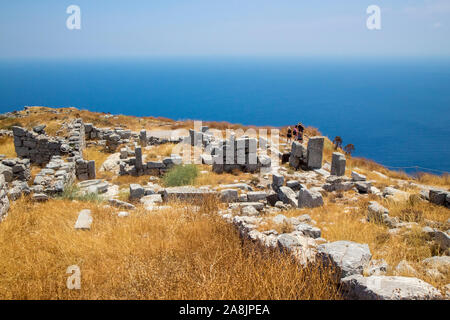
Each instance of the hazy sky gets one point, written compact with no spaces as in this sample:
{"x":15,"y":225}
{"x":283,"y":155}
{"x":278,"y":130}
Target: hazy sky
{"x":37,"y":28}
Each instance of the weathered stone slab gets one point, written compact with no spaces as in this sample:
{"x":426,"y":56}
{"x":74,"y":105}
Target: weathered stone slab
{"x":388,"y":288}
{"x":255,"y":196}
{"x":277,"y":181}
{"x":315,"y":152}
{"x":121,"y":204}
{"x":186,"y":193}
{"x":136,"y":191}
{"x":229,"y":195}
{"x":348,"y":257}
{"x":358,"y":176}
{"x":309,"y":199}
{"x":338,"y":164}
{"x":287,"y":195}
{"x":84,"y":220}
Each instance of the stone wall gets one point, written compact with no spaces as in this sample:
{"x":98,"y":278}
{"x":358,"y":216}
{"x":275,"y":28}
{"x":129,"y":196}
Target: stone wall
{"x":113,"y":137}
{"x":39,"y":148}
{"x":85,"y":169}
{"x":238,"y":154}
{"x":55,"y":177}
{"x":15,"y":169}
{"x":135,"y":166}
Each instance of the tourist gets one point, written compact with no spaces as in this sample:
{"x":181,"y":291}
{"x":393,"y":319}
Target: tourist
{"x":289,"y":134}
{"x":295,"y":132}
{"x":301,"y":129}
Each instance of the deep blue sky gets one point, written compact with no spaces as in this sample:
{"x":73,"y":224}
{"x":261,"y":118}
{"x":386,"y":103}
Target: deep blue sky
{"x":110,"y":28}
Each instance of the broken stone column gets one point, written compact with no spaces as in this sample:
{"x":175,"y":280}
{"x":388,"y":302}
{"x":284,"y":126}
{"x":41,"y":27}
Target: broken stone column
{"x":315,"y":152}
{"x":91,"y":169}
{"x":143,"y":138}
{"x":138,"y":154}
{"x":338,"y":164}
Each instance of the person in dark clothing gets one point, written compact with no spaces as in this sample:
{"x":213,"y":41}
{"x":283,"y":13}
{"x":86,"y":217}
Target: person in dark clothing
{"x":289,"y":134}
{"x":301,"y":130}
{"x":295,"y":132}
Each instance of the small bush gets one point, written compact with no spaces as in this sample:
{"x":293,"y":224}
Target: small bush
{"x":181,"y":175}
{"x":73,"y":193}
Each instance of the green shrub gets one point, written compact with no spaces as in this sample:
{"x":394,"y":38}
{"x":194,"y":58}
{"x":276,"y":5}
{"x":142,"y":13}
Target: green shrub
{"x":181,"y":175}
{"x":73,"y":193}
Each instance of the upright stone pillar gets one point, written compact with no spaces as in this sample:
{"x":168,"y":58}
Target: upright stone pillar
{"x":315,"y":152}
{"x":138,"y":153}
{"x":338,"y":164}
{"x":143,"y":138}
{"x":91,"y":169}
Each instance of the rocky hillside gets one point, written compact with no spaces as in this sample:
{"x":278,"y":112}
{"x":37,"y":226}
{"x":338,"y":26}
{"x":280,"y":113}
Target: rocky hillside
{"x":152,"y":208}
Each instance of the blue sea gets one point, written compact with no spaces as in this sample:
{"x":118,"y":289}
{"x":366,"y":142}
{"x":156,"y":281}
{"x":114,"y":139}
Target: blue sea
{"x":395,"y":111}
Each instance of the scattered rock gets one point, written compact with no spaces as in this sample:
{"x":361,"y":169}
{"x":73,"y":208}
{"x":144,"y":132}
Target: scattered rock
{"x":309,"y":199}
{"x":347,"y":256}
{"x":388,"y":288}
{"x":84,"y":220}
{"x":121,"y":204}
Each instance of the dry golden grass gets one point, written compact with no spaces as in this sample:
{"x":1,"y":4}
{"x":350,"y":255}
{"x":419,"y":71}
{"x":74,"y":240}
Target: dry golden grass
{"x":159,"y":151}
{"x":173,"y":254}
{"x":435,"y":180}
{"x":7,"y":147}
{"x":97,"y":154}
{"x":343,"y":222}
{"x":213,"y":179}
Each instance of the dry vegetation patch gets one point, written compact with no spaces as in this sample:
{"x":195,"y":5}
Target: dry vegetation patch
{"x":173,"y":254}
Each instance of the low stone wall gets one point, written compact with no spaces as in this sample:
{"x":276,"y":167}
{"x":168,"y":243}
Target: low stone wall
{"x":76,"y":138}
{"x":136,"y":167}
{"x":113,"y":137}
{"x":39,"y":148}
{"x":55,"y":177}
{"x":238,"y":154}
{"x":15,"y":169}
{"x":85,"y":169}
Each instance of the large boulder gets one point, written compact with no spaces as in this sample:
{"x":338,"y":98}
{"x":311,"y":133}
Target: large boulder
{"x":308,"y":231}
{"x":255,"y":196}
{"x":111,"y":164}
{"x":438,"y":196}
{"x":277,"y":181}
{"x":136,"y":191}
{"x":287,"y":195}
{"x":347,"y":257}
{"x":388,"y":288}
{"x":309,"y":199}
{"x":229,"y":195}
